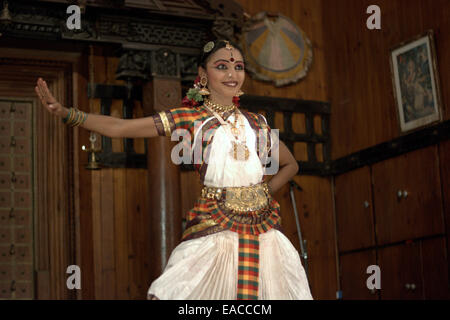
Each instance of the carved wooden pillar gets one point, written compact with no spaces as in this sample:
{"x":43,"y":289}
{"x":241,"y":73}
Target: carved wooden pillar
{"x":162,"y":92}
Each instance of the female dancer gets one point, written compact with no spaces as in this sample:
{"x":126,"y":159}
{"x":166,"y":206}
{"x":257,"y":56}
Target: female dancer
{"x":232,"y":246}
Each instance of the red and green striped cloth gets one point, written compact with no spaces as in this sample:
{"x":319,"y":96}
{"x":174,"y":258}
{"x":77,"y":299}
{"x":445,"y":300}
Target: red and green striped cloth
{"x":248,"y":267}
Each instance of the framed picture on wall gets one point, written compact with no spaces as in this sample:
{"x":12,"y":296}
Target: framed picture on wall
{"x":416,"y":82}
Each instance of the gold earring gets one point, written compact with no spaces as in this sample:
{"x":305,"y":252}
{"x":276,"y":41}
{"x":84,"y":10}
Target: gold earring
{"x":203,"y":81}
{"x":240,"y":93}
{"x":204,"y":90}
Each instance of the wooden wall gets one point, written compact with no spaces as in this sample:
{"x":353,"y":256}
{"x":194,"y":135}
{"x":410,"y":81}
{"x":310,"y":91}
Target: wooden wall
{"x":364,"y":114}
{"x":115,"y":221}
{"x":314,"y":203}
{"x":358,"y":70}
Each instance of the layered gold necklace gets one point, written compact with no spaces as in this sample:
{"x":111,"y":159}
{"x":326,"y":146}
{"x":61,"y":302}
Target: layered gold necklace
{"x":219,"y":108}
{"x":239,"y":150}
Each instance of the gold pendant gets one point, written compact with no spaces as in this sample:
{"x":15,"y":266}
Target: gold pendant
{"x":240,"y":151}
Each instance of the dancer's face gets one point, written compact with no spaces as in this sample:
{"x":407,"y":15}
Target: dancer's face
{"x":225,"y":75}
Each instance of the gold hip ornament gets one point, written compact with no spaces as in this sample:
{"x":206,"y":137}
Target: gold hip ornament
{"x":240,"y":199}
{"x":246,"y":198}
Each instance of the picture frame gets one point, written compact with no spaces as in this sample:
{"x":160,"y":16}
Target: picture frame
{"x":415,"y":81}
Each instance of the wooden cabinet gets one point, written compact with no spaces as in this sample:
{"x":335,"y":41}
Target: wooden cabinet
{"x":414,"y":270}
{"x":407,"y":196}
{"x":353,"y":198}
{"x":353,"y":275}
{"x":434,"y":259}
{"x":401,"y":272}
{"x":391,"y":214}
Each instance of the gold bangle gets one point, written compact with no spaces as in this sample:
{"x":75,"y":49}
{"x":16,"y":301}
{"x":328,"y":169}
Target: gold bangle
{"x":165,"y":123}
{"x":84,"y":117}
{"x":72,"y":116}
{"x":66,"y":118}
{"x":76,"y":118}
{"x":79,"y":119}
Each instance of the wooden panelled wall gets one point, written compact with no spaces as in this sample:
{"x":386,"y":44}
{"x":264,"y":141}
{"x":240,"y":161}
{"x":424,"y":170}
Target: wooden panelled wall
{"x":114,"y":219}
{"x":363,"y":114}
{"x":359,"y":76}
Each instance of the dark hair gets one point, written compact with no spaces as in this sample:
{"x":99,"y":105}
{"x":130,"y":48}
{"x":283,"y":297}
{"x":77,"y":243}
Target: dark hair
{"x":218,"y":44}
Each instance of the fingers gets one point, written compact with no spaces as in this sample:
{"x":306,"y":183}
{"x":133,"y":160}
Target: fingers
{"x":42,"y":85}
{"x":39,"y":94}
{"x":43,"y":96}
{"x":47,"y":93}
{"x":44,"y":92}
{"x":40,"y":90}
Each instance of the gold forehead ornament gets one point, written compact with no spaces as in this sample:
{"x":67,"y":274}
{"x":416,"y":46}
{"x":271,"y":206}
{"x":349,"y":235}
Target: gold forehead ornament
{"x":228,"y":46}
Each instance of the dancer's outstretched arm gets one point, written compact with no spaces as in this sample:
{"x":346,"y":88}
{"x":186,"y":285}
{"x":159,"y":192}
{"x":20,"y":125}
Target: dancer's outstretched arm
{"x":104,"y":125}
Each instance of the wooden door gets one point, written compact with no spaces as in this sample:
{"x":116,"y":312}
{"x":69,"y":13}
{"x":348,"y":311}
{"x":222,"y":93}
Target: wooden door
{"x":407,"y":196}
{"x":16,"y":194}
{"x":37,"y":241}
{"x":354,"y":210}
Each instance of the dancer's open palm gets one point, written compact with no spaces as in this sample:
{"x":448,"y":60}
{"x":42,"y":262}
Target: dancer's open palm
{"x":47,"y":98}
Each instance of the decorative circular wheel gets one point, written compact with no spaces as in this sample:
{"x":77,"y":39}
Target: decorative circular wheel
{"x":276,"y":49}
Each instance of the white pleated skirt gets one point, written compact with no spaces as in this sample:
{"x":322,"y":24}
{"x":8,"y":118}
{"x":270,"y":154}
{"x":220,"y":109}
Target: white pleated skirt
{"x":206,"y":268}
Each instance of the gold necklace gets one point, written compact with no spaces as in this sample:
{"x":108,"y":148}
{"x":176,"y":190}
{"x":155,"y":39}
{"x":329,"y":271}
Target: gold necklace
{"x":239,"y":150}
{"x":219,"y":108}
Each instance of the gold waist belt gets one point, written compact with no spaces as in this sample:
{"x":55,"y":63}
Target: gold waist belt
{"x":250,"y":198}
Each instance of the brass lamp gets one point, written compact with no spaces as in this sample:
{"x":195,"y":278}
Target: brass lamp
{"x":92,"y":162}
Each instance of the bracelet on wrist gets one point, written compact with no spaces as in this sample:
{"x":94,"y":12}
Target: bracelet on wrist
{"x":75,"y":117}
{"x":68,"y":115}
